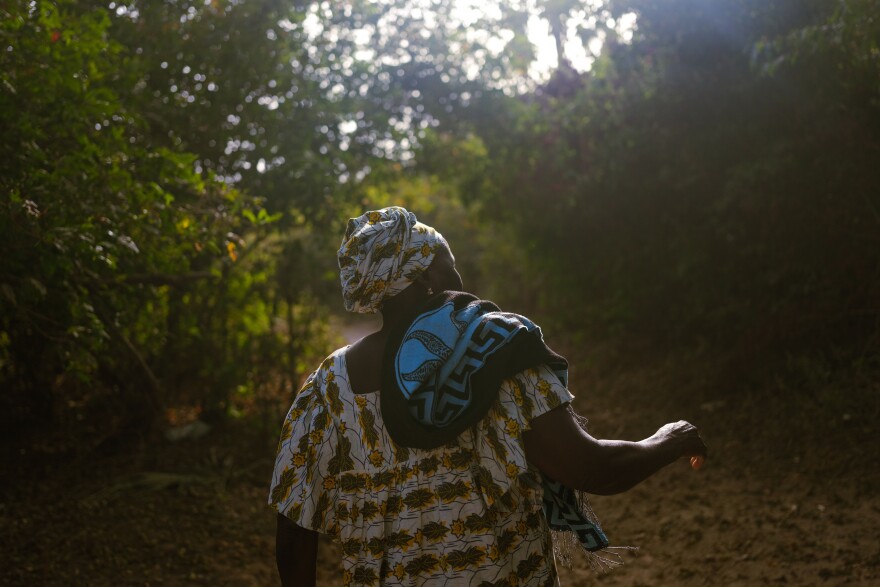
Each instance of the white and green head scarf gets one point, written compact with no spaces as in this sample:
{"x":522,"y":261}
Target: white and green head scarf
{"x":382,"y":253}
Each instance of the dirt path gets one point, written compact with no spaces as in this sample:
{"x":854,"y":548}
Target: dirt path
{"x":789,"y":497}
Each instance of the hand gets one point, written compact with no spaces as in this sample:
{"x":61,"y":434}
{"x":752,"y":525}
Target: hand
{"x":683,"y":440}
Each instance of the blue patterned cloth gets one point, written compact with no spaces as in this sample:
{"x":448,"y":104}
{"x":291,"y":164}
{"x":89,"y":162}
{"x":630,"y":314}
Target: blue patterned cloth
{"x":565,"y":514}
{"x":441,"y":351}
{"x":442,"y":373}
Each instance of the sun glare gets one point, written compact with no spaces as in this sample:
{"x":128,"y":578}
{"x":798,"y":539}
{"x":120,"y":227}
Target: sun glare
{"x":580,"y":55}
{"x":469,"y":16}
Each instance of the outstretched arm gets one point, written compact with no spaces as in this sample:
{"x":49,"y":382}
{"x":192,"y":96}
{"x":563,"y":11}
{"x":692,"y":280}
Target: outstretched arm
{"x":296,"y":553}
{"x":562,"y":450}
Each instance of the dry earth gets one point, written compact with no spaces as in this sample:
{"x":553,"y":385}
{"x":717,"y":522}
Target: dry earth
{"x":788,"y":497}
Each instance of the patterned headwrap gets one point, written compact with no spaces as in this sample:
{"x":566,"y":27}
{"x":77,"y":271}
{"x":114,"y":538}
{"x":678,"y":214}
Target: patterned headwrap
{"x":383,"y":251}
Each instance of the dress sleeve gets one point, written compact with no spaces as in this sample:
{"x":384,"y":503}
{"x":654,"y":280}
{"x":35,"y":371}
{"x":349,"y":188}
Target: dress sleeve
{"x":521,"y":399}
{"x":302,"y":488}
{"x":533,"y":392}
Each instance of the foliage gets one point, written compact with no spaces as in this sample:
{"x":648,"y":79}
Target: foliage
{"x":176,"y":174}
{"x":119,"y":257}
{"x":683,"y":193}
{"x":235,"y":84}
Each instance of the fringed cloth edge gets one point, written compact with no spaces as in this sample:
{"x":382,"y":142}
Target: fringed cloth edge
{"x":566,"y":543}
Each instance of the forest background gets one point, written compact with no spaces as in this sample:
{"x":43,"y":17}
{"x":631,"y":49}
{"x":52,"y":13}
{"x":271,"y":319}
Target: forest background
{"x":690,"y":207}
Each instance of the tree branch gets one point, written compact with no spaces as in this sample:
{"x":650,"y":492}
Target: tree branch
{"x":158,"y":278}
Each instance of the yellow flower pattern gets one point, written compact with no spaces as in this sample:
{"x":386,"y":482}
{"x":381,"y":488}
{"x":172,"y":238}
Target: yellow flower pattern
{"x":455,"y":515}
{"x":376,"y":458}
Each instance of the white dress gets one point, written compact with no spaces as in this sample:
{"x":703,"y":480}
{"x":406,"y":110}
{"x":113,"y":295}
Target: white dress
{"x":467,"y":513}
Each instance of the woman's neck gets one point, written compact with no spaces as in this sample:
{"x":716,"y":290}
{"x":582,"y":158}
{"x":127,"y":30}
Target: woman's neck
{"x":400,"y":306}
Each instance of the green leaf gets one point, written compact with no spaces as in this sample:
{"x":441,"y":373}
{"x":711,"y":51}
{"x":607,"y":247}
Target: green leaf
{"x":250,"y":215}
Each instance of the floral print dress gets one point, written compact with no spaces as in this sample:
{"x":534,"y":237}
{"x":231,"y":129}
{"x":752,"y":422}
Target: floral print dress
{"x":468,"y":513}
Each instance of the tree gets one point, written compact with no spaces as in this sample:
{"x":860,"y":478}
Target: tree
{"x":683,"y":191}
{"x":97,"y":228}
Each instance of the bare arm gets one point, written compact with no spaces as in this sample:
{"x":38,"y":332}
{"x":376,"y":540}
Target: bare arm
{"x":296,"y":553}
{"x":563,"y":451}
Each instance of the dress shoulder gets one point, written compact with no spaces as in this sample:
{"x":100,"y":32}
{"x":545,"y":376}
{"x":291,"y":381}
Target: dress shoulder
{"x":531,"y":393}
{"x":303,"y":484}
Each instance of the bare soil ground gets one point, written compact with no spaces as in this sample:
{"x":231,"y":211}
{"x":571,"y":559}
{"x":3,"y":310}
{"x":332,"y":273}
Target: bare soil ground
{"x":789,"y":496}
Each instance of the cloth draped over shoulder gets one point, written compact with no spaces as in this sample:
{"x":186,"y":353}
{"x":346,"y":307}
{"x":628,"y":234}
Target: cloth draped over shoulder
{"x":444,"y":363}
{"x":441,"y":373}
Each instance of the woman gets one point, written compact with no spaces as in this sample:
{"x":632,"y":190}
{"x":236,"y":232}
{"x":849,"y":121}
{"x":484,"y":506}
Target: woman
{"x":456,"y":471}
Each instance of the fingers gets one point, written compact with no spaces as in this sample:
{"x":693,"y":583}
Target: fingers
{"x":699,"y":449}
{"x":692,"y":444}
{"x":686,"y":439}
